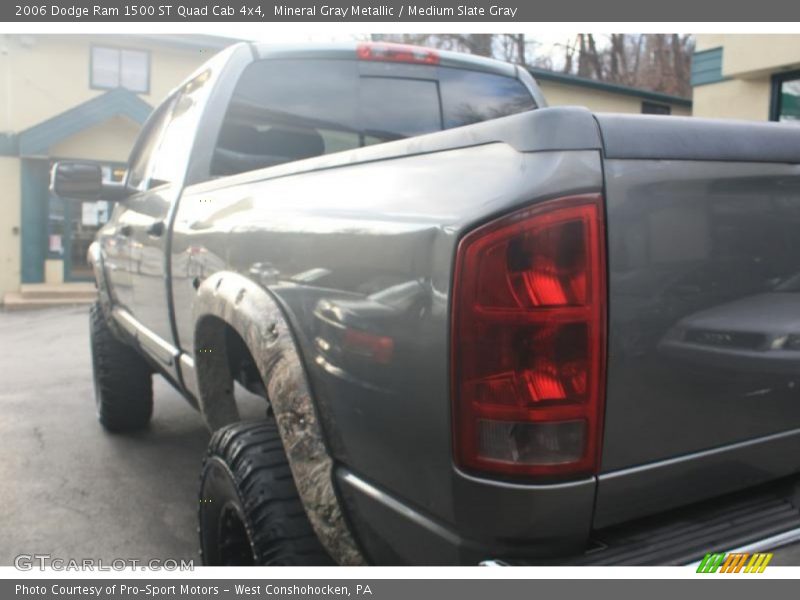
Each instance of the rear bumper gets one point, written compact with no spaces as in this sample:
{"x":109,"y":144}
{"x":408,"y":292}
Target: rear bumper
{"x":392,"y":532}
{"x":493,"y":519}
{"x":761,"y":519}
{"x":772,"y":542}
{"x":657,"y":487}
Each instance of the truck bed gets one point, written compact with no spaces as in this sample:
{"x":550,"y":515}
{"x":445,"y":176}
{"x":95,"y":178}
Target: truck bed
{"x":699,"y":215}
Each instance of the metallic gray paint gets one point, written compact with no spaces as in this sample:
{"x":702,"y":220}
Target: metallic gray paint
{"x":687,"y":242}
{"x":382,"y":264}
{"x":394,"y":532}
{"x":648,"y":489}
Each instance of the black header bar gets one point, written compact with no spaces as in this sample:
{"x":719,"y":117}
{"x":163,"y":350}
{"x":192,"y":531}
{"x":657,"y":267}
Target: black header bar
{"x":456,"y":11}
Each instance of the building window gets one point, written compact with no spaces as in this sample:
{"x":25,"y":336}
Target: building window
{"x":113,"y":68}
{"x":786,"y":98}
{"x":652,"y":108}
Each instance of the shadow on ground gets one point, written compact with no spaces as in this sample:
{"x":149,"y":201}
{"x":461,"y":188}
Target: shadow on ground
{"x":70,"y":489}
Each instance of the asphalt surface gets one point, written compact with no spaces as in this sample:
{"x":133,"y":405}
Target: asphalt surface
{"x":68,"y":488}
{"x":71,"y":490}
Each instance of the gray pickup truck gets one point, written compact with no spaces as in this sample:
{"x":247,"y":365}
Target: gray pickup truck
{"x":512,"y":334}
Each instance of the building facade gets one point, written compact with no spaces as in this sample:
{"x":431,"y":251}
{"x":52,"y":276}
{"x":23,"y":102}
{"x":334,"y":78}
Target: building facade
{"x":562,"y":89}
{"x":73,"y":97}
{"x":753,"y":77}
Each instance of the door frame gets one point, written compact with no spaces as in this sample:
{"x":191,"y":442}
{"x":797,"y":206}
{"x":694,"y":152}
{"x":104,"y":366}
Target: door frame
{"x":34,"y":216}
{"x":73,"y":205}
{"x":66,"y":243}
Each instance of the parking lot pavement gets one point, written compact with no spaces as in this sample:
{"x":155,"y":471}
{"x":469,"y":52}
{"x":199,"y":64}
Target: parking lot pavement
{"x":73,"y":491}
{"x":70,"y":489}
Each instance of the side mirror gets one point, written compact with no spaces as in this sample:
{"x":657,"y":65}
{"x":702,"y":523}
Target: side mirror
{"x":84,"y":181}
{"x":81,"y":180}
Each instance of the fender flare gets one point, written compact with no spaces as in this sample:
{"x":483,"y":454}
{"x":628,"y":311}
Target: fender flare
{"x":230,"y":299}
{"x":105,"y":297}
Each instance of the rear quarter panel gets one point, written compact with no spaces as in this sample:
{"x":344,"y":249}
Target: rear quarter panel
{"x":371,"y":247}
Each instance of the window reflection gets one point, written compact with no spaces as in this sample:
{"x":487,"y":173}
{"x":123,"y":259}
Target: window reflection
{"x":289,"y":109}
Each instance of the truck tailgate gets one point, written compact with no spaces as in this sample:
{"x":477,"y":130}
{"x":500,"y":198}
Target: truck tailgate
{"x":703,"y":390}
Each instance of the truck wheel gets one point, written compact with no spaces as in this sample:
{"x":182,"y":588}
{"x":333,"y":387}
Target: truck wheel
{"x":123,"y":386}
{"x":249,"y":510}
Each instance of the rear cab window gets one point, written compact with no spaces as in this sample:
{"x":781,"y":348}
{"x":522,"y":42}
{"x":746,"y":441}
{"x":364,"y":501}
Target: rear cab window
{"x":393,"y":108}
{"x":289,"y":109}
{"x":471,"y":97}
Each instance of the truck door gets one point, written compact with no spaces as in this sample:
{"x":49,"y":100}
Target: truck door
{"x":157,"y":172}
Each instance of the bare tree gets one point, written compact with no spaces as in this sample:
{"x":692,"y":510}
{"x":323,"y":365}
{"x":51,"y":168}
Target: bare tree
{"x":660,"y":62}
{"x":618,"y":67}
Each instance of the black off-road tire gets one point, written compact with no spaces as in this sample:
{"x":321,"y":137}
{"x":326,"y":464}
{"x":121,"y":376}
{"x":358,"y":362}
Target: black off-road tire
{"x":249,"y":511}
{"x":123,"y":383}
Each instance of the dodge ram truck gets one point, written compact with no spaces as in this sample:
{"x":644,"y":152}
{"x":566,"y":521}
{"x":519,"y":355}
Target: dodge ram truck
{"x":484,"y":331}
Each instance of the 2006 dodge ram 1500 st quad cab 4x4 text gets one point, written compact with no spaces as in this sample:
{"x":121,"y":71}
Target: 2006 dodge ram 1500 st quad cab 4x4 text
{"x":513,"y":334}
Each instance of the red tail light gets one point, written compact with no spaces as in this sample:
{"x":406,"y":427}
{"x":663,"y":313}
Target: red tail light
{"x":528,"y":341}
{"x":386,"y":51}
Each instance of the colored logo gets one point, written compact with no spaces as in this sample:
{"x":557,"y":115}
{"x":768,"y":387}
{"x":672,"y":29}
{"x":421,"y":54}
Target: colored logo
{"x":735,"y":562}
